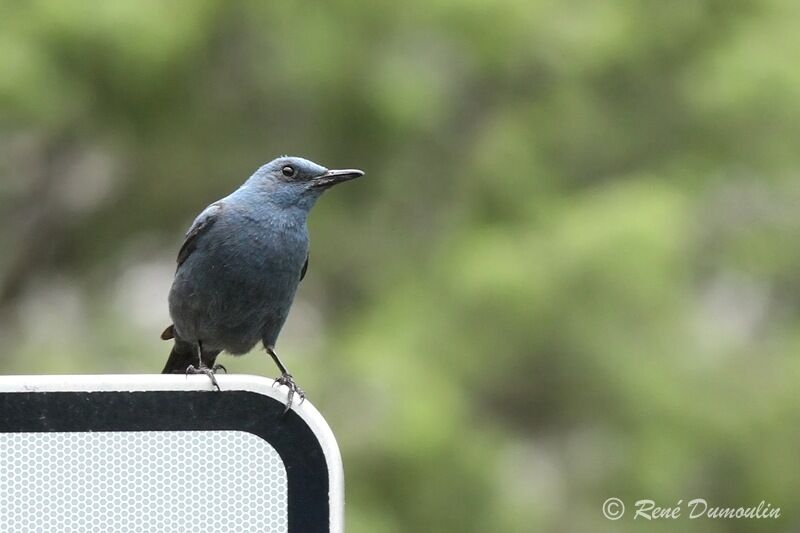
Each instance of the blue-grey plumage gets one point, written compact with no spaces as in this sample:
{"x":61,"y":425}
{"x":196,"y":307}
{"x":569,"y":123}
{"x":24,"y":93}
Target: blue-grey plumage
{"x":241,"y":264}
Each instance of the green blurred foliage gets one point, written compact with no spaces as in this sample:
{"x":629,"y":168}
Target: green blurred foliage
{"x":571,"y":273}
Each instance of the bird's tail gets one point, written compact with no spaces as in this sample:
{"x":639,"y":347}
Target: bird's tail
{"x":184,"y":354}
{"x":180,"y":358}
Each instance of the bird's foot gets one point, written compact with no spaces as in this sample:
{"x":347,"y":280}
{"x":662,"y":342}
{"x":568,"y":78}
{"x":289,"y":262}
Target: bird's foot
{"x":288,"y":381}
{"x":207,"y":371}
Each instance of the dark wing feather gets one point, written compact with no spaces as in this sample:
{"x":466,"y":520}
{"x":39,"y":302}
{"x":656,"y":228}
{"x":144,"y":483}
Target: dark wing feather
{"x":305,"y":268}
{"x":201,"y":225}
{"x":169,"y":333}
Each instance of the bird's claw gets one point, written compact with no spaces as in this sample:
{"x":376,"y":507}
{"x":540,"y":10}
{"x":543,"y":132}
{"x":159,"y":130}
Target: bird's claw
{"x":207,"y":371}
{"x":288,"y":381}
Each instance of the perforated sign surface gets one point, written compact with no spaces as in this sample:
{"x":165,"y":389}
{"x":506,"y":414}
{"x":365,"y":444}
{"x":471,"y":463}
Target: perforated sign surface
{"x":163,"y":454}
{"x":104,"y":481}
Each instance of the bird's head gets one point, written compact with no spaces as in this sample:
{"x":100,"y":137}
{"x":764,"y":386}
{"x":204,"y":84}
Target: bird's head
{"x":297,"y":182}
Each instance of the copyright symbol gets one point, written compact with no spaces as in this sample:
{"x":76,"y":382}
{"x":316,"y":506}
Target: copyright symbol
{"x":613,"y":508}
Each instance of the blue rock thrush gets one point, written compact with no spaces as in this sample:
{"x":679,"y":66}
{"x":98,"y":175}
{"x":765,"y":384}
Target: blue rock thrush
{"x":240,"y":265}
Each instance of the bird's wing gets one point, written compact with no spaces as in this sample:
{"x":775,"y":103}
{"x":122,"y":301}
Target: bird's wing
{"x":304,"y":269}
{"x":169,"y":333}
{"x":201,"y":225}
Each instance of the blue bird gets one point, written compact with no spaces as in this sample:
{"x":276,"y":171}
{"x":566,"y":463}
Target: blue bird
{"x":240,"y":265}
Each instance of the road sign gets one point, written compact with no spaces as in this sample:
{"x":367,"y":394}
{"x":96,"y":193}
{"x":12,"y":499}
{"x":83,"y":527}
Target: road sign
{"x":164,"y":453}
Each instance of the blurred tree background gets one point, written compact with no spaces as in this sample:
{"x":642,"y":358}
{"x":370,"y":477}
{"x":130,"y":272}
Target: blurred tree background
{"x":572,"y":271}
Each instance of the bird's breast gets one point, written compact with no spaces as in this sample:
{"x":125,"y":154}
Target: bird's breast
{"x":266,"y":252}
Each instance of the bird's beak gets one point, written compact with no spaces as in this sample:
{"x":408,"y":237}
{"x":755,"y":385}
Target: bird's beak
{"x":332,"y":177}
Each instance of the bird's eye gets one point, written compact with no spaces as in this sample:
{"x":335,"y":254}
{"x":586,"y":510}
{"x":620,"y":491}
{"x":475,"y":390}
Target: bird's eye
{"x":288,"y":171}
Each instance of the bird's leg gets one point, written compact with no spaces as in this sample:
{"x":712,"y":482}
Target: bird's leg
{"x":286,"y":379}
{"x":203,"y":369}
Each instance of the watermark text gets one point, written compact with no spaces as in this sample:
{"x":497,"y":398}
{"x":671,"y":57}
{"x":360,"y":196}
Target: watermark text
{"x":697,"y":508}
